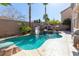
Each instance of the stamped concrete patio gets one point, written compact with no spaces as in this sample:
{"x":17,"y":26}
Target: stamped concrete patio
{"x":52,"y":47}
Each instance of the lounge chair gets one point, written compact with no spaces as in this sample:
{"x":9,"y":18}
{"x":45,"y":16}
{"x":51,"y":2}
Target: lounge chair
{"x":76,"y":40}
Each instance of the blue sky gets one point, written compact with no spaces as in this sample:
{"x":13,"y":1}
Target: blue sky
{"x":53,"y":10}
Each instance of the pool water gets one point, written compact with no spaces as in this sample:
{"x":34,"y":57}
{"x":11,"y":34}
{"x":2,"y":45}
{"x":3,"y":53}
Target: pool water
{"x":31,"y":41}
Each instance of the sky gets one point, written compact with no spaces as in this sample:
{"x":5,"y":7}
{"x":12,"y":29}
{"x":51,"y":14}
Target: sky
{"x":53,"y":10}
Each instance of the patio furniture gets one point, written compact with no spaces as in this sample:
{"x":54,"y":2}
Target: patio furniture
{"x":76,"y":40}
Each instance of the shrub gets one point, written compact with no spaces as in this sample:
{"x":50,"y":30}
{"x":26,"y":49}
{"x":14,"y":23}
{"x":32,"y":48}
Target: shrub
{"x":53,"y":22}
{"x":37,"y":21}
{"x":28,"y":29}
{"x":25,"y":29}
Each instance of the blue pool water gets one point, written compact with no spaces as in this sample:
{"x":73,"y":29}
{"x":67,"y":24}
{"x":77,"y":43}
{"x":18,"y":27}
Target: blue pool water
{"x":31,"y":41}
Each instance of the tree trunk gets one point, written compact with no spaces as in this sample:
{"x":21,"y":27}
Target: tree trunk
{"x":30,"y":14}
{"x":45,"y":9}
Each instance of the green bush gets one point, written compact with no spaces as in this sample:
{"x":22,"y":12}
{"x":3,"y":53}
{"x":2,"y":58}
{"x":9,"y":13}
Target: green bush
{"x":54,"y":22}
{"x":25,"y":29}
{"x":28,"y":28}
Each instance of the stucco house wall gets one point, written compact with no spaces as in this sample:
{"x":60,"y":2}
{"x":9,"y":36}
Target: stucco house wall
{"x":73,"y":13}
{"x":75,"y":17}
{"x":67,"y":13}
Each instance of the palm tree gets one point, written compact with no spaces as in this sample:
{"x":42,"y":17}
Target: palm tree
{"x":5,"y":4}
{"x":45,"y":17}
{"x":29,"y":4}
{"x":45,"y":4}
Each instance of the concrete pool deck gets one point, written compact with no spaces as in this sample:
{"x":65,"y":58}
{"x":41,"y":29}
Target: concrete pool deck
{"x":52,"y":47}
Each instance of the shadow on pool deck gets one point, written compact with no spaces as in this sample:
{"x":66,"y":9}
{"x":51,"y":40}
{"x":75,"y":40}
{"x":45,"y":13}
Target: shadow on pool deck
{"x":67,"y":32}
{"x":75,"y":53}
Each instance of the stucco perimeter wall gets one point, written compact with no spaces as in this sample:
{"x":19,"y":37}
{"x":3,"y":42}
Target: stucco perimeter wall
{"x":67,"y":13}
{"x":8,"y":27}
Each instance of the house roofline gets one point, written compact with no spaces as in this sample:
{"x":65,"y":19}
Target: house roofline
{"x":65,"y":9}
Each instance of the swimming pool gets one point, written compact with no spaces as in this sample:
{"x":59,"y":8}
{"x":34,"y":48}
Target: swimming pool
{"x":32,"y":41}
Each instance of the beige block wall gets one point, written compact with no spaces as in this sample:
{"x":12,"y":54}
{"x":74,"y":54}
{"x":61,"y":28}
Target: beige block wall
{"x":8,"y":27}
{"x":67,"y":13}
